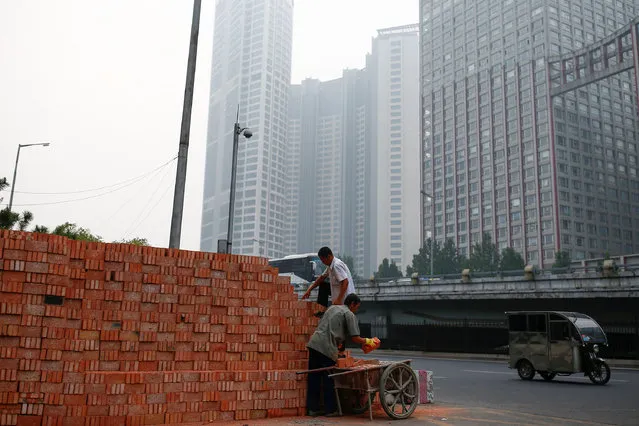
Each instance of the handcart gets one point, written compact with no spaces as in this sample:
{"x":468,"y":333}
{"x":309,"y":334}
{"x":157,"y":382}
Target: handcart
{"x":395,"y":381}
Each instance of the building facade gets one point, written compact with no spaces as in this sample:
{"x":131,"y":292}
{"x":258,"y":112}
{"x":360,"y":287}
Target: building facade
{"x":251,"y":69}
{"x":395,"y":145}
{"x":328,"y":140}
{"x":539,"y":174}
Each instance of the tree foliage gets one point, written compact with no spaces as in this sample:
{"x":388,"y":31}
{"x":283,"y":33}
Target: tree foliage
{"x":10,"y":219}
{"x":421,"y":260}
{"x":388,"y":269}
{"x":75,"y":232}
{"x":135,"y":241}
{"x":446,"y":259}
{"x":511,"y":260}
{"x":562,"y":259}
{"x":484,"y":256}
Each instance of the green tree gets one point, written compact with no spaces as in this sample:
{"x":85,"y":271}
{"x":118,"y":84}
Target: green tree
{"x":447,"y":259}
{"x":421,"y":260}
{"x":135,"y":241}
{"x":388,"y":269}
{"x":511,"y":260}
{"x":74,"y":232}
{"x":484,"y":256}
{"x":562,"y":259}
{"x":10,"y":219}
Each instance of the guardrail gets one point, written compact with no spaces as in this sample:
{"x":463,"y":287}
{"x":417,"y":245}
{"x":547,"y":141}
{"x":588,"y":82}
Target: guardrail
{"x":580,"y":271}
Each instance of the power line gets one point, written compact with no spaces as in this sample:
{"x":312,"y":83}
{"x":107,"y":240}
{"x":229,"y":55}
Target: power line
{"x":135,"y":221}
{"x":166,"y":190}
{"x":136,"y":195}
{"x":91,"y":196}
{"x":102,"y":187}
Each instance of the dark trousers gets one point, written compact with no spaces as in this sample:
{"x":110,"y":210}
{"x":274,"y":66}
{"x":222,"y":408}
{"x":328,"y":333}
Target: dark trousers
{"x":319,"y":381}
{"x":324,"y":293}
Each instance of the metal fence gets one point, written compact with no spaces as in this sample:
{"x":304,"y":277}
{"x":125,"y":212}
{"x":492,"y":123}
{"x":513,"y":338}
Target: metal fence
{"x":483,"y":337}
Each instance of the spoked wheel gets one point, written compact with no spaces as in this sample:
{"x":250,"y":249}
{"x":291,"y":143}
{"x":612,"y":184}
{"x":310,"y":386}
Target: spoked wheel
{"x":399,"y":391}
{"x":525,"y":370}
{"x":355,"y":401}
{"x":601,"y":373}
{"x":547,"y":376}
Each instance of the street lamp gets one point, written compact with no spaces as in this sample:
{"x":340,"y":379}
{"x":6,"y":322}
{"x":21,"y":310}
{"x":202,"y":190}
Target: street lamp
{"x":237,"y":131}
{"x":432,"y":236}
{"x":15,"y":170}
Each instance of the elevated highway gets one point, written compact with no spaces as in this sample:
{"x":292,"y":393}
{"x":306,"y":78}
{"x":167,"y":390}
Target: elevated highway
{"x":622,"y":284}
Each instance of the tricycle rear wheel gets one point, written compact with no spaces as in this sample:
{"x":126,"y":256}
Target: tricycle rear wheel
{"x":547,"y":376}
{"x":525,"y":370}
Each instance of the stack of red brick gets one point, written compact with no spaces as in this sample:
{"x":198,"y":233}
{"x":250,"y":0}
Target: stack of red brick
{"x":114,"y":334}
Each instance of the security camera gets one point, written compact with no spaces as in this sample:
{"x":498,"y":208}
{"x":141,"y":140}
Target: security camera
{"x":248,"y":134}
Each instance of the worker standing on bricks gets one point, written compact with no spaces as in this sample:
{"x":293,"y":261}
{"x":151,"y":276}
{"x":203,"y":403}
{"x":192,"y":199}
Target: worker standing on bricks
{"x":342,"y":283}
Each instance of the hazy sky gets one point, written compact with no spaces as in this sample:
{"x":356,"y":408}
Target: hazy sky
{"x":103,"y":81}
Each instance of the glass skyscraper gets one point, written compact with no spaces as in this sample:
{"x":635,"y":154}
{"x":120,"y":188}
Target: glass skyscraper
{"x":251,"y":69}
{"x":540,"y":174}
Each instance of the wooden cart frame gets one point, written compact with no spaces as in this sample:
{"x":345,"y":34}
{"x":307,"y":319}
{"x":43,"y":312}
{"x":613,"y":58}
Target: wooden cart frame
{"x":396,"y":383}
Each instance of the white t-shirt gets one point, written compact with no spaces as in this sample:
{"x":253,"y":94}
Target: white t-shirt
{"x":338,"y":272}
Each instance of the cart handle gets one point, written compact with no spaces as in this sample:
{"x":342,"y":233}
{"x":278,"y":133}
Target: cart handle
{"x":369,"y":367}
{"x":317,"y":370}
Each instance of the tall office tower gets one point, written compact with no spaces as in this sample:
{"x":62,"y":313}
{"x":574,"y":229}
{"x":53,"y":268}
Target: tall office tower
{"x":251,"y":69}
{"x":294,"y":172}
{"x":395,"y":172}
{"x":539,"y":173}
{"x":327,"y":124}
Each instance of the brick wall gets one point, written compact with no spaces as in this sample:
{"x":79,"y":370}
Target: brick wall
{"x":115,"y":334}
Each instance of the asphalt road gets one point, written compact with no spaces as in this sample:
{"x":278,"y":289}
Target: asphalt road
{"x":489,"y":385}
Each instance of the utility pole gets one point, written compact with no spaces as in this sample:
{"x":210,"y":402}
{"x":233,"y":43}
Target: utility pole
{"x":185,"y":131}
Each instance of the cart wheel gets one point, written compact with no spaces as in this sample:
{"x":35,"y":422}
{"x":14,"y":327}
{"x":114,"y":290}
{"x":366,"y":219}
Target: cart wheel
{"x":399,"y":391}
{"x":355,"y":401}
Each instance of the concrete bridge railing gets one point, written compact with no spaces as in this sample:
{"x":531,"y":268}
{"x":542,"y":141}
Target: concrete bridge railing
{"x":576,"y":285}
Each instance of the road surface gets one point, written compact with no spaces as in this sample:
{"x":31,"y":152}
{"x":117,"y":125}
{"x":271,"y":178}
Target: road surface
{"x":493,"y":386}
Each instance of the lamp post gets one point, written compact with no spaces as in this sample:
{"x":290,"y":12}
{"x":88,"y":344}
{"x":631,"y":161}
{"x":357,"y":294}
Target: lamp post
{"x":15,"y":169}
{"x":432,"y":235}
{"x":237,"y":131}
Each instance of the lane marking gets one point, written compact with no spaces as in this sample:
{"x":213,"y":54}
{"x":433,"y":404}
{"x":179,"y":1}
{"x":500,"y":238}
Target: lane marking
{"x":488,"y":372}
{"x":512,"y":373}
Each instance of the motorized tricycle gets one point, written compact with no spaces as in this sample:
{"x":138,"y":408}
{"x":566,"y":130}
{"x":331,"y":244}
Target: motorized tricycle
{"x":556,"y":343}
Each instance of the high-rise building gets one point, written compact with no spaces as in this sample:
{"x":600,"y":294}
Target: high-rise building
{"x":328,"y":138}
{"x":539,"y":173}
{"x":395,"y":181}
{"x":251,"y":70}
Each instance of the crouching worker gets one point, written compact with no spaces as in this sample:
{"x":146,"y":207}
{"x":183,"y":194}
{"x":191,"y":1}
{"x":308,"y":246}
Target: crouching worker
{"x":336,"y":326}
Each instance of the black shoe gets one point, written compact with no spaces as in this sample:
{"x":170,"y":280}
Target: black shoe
{"x":312,"y":413}
{"x":319,"y":314}
{"x":333,"y":414}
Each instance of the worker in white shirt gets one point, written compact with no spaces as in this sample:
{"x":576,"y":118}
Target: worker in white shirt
{"x":342,"y":283}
